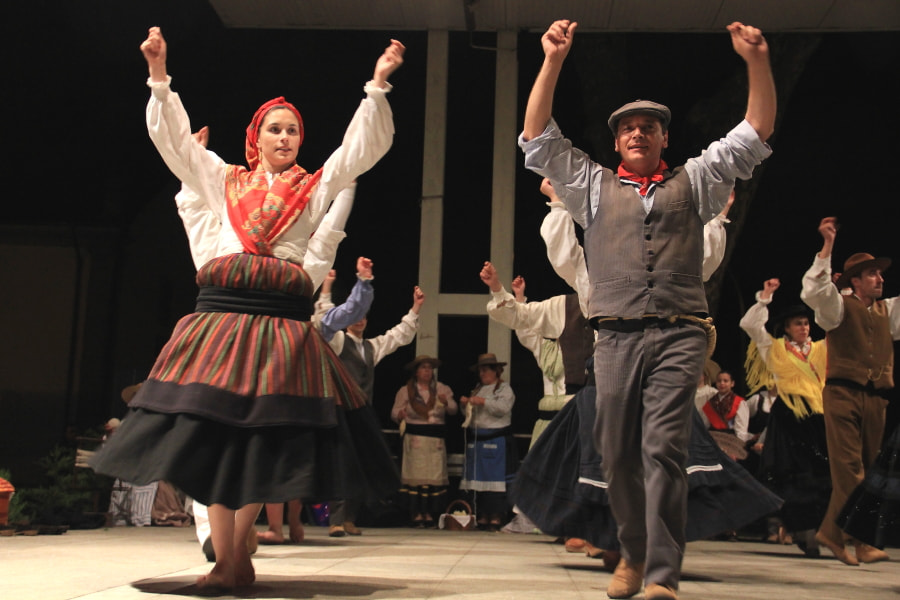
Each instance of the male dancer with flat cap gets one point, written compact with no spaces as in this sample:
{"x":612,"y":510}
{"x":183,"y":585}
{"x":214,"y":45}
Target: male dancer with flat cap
{"x":644,"y":246}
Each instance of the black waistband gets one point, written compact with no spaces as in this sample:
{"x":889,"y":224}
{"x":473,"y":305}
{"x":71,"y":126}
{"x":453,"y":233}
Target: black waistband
{"x":434,"y":430}
{"x":574,"y":388}
{"x":489,"y":434}
{"x":254,"y":302}
{"x":869,"y":388}
{"x":632,"y":325}
{"x":547,"y":415}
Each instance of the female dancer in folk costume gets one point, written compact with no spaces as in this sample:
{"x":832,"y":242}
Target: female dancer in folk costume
{"x":421,"y":408}
{"x":872,"y":512}
{"x":491,"y":457}
{"x":794,"y":458}
{"x":246,"y":403}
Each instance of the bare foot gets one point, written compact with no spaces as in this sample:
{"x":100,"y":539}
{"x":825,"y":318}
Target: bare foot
{"x":270,"y":537}
{"x":252,"y":540}
{"x":244,"y":573}
{"x":219,"y":578}
{"x":297,"y":533}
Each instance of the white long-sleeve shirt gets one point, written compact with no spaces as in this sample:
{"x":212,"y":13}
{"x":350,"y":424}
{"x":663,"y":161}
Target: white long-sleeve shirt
{"x":825,"y":298}
{"x":400,"y":334}
{"x":202,"y":226}
{"x":496,"y":412}
{"x":367,"y":138}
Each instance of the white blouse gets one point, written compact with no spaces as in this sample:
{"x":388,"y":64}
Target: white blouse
{"x":366,"y":140}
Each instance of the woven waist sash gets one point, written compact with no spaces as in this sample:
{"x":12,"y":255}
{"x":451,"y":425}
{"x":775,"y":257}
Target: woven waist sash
{"x":435,"y":431}
{"x":254,"y":302}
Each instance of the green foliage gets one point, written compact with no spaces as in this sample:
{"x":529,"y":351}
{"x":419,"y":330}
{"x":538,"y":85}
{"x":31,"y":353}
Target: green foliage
{"x":64,"y":490}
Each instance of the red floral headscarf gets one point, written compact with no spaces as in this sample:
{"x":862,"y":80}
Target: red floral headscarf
{"x":261,"y":214}
{"x":250,"y":149}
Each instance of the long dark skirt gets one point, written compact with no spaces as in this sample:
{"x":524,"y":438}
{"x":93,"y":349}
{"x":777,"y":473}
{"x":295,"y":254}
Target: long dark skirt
{"x":794,"y":465}
{"x":244,"y":407}
{"x":872,"y":513}
{"x":561,"y":487}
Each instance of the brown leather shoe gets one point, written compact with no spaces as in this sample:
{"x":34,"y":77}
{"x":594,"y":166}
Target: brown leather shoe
{"x":869,"y":554}
{"x":611,"y":559}
{"x":336,"y":531}
{"x":351,"y":528}
{"x":574,"y":545}
{"x":626,"y":580}
{"x":840,"y":552}
{"x":654,"y":591}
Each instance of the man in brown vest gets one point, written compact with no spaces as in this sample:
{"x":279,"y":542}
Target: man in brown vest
{"x":643,"y":241}
{"x":859,"y":331}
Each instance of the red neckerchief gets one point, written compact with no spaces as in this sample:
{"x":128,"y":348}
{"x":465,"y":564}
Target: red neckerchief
{"x":645,"y":182}
{"x":259,"y":214}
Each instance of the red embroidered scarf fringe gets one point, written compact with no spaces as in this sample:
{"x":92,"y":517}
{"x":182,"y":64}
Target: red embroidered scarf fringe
{"x":260,"y":214}
{"x":655,"y":177}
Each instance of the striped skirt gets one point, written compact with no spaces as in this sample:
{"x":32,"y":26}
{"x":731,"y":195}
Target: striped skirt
{"x":247,"y":403}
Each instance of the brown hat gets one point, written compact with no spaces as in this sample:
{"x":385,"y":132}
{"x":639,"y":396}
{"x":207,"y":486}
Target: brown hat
{"x":641,"y":107}
{"x":858,"y":263}
{"x":487,"y":359}
{"x":423,"y":358}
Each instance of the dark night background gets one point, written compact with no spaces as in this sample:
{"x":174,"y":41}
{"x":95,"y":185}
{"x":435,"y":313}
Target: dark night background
{"x":95,"y":270}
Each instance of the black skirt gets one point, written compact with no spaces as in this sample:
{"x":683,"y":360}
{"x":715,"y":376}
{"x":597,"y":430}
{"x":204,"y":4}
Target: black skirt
{"x":561,"y":488}
{"x":794,"y":465}
{"x":222,"y":464}
{"x":872,"y":513}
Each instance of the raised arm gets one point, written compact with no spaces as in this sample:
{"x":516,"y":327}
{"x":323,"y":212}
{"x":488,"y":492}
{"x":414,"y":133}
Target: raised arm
{"x":818,"y":291}
{"x":154,"y":50}
{"x":556,"y":42}
{"x":401,"y":333}
{"x":546,"y":318}
{"x":368,"y":136}
{"x":357,"y":304}
{"x":170,"y":129}
{"x":750,"y":45}
{"x":754,"y":320}
{"x":389,"y":61}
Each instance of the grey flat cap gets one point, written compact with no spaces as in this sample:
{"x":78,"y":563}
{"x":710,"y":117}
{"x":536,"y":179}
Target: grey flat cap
{"x":642,"y":107}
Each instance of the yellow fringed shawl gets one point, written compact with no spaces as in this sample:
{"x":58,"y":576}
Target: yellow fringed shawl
{"x":799,"y":381}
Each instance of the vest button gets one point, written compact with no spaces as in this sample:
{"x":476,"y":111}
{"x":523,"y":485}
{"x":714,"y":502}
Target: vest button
{"x":647,"y":237}
{"x":649,"y":268}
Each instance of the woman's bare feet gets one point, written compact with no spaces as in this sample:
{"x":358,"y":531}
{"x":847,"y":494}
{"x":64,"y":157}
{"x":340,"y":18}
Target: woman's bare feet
{"x":244,"y":573}
{"x":270,"y":537}
{"x":221,"y":577}
{"x":297,"y":533}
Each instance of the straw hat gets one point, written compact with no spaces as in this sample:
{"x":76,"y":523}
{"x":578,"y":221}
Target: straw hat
{"x":487,"y":359}
{"x":423,"y":358}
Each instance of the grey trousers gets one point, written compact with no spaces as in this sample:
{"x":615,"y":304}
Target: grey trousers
{"x":343,"y":510}
{"x":645,"y":394}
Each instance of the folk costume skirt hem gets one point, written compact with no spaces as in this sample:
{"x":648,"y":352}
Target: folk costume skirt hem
{"x":245,"y":407}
